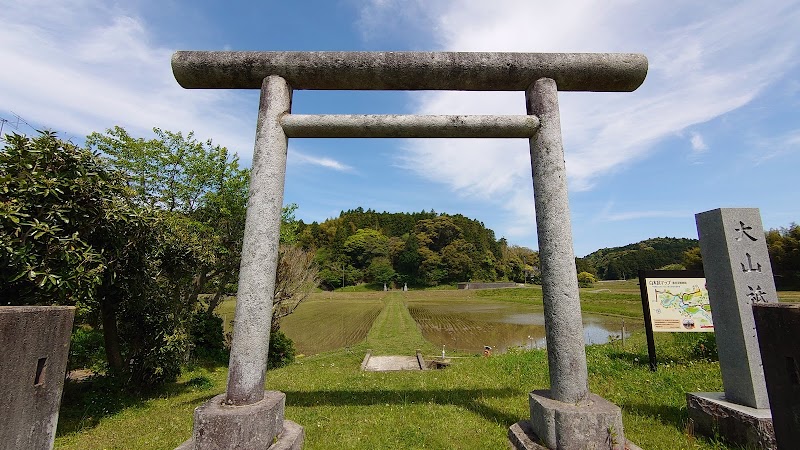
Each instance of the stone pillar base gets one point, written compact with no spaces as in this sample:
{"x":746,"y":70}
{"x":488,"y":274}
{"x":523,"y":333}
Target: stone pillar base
{"x":712,"y":415}
{"x":522,"y":437}
{"x":595,"y":423}
{"x":218,"y":426}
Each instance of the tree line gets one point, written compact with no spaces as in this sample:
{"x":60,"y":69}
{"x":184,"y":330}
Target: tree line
{"x":421,"y":249}
{"x":783,"y":245}
{"x":619,"y":263}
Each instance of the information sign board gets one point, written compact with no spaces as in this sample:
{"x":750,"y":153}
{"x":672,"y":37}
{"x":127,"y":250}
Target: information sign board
{"x":678,"y":303}
{"x":673,"y":301}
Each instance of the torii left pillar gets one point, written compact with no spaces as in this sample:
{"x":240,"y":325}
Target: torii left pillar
{"x":256,"y":415}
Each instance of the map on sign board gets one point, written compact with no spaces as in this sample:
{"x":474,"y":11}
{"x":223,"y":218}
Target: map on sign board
{"x":679,"y":304}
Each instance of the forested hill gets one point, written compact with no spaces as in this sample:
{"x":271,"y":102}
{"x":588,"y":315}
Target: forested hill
{"x":625,"y":262}
{"x":422,"y":248}
{"x":428,"y":248}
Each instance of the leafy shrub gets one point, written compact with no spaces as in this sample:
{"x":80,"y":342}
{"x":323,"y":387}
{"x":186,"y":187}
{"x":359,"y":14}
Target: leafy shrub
{"x":153,"y":357}
{"x":281,"y":350}
{"x":207,"y":337}
{"x":585,"y":279}
{"x":86,"y":349}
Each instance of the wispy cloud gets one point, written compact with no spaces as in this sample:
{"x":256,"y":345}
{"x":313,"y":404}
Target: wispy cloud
{"x":638,"y":215}
{"x":776,"y":146}
{"x":81,"y":66}
{"x":297,"y":157}
{"x":698,"y":144}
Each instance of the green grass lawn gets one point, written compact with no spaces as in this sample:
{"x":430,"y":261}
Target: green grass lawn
{"x":470,"y":405}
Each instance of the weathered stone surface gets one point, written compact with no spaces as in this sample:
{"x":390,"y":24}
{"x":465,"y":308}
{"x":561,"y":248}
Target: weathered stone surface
{"x":218,"y":426}
{"x":566,"y":353}
{"x":738,"y":274}
{"x":522,"y":437}
{"x":713,"y":415}
{"x":291,"y":438}
{"x":460,"y":71}
{"x":408,"y":126}
{"x":34,"y":346}
{"x":778,"y":327}
{"x":259,"y":262}
{"x":593,"y":423}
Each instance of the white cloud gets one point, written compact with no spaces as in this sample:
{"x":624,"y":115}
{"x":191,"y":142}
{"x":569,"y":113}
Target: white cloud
{"x":297,"y":157}
{"x":705,"y":60}
{"x":81,"y":66}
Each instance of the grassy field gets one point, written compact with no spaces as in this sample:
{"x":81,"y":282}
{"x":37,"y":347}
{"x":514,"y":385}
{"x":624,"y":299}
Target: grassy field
{"x":470,"y":405}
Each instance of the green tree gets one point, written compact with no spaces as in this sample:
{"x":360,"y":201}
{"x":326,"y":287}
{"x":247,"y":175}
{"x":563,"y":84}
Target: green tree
{"x":456,"y":261}
{"x":380,"y":270}
{"x":365,"y":245}
{"x":784,"y":252}
{"x":692,"y":259}
{"x":201,"y":194}
{"x":585,"y":279}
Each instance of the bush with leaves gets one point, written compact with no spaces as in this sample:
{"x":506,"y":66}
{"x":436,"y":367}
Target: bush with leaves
{"x":207,"y":336}
{"x":281,"y":350}
{"x":71,"y":234}
{"x":54,"y":198}
{"x":585,"y":279}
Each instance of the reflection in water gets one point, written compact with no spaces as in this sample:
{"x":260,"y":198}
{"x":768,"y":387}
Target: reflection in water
{"x":469,"y":327}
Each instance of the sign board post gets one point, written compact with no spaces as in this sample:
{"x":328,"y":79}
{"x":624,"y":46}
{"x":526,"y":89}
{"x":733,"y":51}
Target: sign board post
{"x":674,"y":301}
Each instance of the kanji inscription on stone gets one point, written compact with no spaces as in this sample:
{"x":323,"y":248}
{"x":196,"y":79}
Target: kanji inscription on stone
{"x":738,"y":275}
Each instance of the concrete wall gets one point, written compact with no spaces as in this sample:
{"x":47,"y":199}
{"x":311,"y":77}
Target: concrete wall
{"x":34,"y":346}
{"x":485,"y":285}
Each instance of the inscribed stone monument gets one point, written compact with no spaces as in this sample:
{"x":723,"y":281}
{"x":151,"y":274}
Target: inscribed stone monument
{"x":738,"y":275}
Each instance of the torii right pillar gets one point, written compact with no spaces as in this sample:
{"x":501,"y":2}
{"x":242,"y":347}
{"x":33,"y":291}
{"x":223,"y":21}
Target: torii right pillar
{"x":567,"y":416}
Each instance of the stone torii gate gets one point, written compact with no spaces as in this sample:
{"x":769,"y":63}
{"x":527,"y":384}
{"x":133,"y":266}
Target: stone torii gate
{"x":565,"y":416}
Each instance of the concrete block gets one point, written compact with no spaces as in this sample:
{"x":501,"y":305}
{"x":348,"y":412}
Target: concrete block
{"x":34,"y":347}
{"x":292,"y":437}
{"x":594,"y":423}
{"x":778,"y":327}
{"x":522,"y":437}
{"x":218,"y":426}
{"x":713,"y":415}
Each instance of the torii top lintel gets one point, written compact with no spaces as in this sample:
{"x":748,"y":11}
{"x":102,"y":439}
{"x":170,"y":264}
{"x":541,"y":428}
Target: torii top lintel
{"x":410,"y":71}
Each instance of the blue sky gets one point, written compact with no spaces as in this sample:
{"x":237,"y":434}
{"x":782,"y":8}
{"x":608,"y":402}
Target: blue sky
{"x":715,"y":124}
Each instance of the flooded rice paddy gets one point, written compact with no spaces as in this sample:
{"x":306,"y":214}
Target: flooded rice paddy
{"x":461,"y":321}
{"x":471,"y":325}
